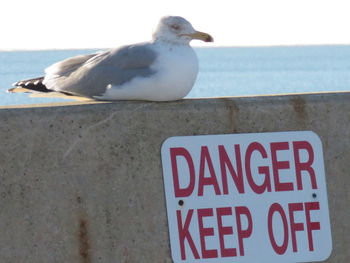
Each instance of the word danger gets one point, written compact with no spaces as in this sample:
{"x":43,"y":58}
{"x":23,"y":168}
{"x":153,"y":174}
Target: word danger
{"x":246,"y":197}
{"x":271,"y":181}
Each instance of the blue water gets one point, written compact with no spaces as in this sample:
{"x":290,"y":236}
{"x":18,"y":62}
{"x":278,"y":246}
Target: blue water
{"x":229,"y":71}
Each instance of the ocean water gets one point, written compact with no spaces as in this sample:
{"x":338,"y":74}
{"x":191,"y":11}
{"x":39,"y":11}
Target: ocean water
{"x":224,"y":71}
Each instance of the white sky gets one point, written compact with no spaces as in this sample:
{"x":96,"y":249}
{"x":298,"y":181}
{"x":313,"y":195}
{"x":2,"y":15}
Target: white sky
{"x":43,"y":24}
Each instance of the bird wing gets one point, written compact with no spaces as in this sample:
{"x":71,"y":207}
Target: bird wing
{"x":90,"y":75}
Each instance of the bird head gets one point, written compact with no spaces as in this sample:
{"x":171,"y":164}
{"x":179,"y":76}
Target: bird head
{"x":177,"y":30}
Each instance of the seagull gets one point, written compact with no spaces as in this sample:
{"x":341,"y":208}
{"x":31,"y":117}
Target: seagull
{"x":163,"y":69}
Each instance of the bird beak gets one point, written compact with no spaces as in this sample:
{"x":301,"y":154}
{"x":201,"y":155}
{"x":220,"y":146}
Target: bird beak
{"x":201,"y":36}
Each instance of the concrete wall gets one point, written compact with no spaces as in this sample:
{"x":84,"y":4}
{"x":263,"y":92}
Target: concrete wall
{"x":83,"y":183}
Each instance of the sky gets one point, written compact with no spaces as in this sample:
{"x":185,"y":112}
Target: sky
{"x":61,"y":24}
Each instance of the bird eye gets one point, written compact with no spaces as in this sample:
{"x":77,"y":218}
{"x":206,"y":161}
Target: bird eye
{"x":175,"y":27}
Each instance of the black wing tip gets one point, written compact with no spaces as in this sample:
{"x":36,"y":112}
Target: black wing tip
{"x":35,"y":84}
{"x":15,"y":84}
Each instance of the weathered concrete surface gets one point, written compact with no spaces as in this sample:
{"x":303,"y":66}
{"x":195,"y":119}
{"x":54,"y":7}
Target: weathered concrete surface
{"x":83,"y":183}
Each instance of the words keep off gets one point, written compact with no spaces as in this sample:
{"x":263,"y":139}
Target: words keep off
{"x":213,"y":186}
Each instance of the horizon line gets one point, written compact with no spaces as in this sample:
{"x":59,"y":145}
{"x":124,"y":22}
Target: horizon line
{"x":194,"y":46}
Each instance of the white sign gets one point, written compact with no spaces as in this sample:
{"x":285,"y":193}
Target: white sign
{"x":258,"y":197}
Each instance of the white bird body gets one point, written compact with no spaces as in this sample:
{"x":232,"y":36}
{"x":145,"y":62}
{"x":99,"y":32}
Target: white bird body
{"x":176,"y":70}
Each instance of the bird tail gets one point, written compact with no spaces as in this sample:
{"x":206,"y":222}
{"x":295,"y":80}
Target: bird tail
{"x":39,"y":90}
{"x":29,"y":85}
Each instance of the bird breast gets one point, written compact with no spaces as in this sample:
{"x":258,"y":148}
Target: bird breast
{"x":177,"y":67}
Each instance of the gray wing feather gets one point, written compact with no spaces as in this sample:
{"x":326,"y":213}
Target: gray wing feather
{"x":67,"y":66}
{"x":89,"y":75}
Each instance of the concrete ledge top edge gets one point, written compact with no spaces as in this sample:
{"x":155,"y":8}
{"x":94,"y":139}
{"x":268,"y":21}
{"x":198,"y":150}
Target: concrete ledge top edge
{"x":268,"y":97}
